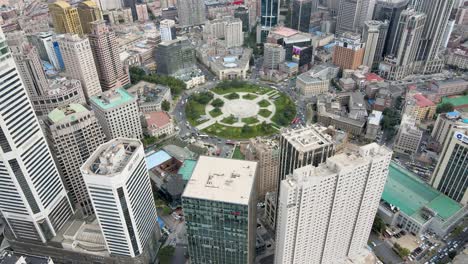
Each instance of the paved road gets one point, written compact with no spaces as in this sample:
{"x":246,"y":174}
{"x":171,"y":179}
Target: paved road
{"x":383,"y":250}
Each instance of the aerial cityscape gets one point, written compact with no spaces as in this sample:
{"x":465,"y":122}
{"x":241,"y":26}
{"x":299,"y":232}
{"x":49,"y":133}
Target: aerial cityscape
{"x":234,"y":131}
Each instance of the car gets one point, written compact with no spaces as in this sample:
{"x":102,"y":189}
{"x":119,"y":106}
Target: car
{"x":373,"y":244}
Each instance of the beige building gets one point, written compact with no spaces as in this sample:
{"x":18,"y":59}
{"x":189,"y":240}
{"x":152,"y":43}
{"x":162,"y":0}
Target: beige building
{"x":266,"y":153}
{"x":444,"y":123}
{"x":273,"y":55}
{"x":348,"y":52}
{"x":158,"y":124}
{"x":88,"y":12}
{"x":65,"y":18}
{"x":118,"y":113}
{"x":111,"y":72}
{"x":419,"y":107}
{"x":227,"y":28}
{"x":73,"y":132}
{"x":76,"y":49}
{"x":317,"y":80}
{"x":409,"y":136}
{"x":142,"y":12}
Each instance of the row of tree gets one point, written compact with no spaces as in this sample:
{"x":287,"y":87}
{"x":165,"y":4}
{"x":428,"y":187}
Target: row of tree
{"x":176,"y":85}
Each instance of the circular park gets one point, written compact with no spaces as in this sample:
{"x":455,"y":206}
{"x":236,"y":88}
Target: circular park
{"x":239,"y":110}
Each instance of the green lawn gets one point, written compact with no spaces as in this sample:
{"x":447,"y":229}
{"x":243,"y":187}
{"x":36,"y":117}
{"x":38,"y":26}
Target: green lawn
{"x":193,"y":111}
{"x":229,"y":120}
{"x":249,"y":96}
{"x":285,"y":110}
{"x":223,"y":131}
{"x":216,"y":112}
{"x":250,"y":120}
{"x":264,"y":112}
{"x":232,"y":96}
{"x":263,"y":103}
{"x":240,"y":87}
{"x":237,"y":154}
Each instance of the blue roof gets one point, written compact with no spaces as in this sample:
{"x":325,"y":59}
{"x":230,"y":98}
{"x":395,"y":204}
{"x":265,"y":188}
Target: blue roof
{"x":453,"y":114}
{"x":157,"y":158}
{"x":291,"y":64}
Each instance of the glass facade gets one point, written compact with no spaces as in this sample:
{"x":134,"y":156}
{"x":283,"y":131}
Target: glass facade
{"x":217,"y":232}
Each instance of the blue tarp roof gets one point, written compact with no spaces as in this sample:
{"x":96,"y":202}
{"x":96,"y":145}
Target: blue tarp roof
{"x":157,"y":158}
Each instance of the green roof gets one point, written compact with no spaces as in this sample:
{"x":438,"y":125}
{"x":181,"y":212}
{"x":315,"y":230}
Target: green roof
{"x":121,"y":97}
{"x":456,"y":100}
{"x":410,"y":195}
{"x":187,"y":168}
{"x":59,"y":114}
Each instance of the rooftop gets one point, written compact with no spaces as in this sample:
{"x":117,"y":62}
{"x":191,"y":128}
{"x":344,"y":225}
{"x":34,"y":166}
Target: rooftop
{"x":112,"y":98}
{"x":307,"y":138}
{"x":7,"y":257}
{"x":223,"y":180}
{"x":373,"y":77}
{"x":411,"y":195}
{"x":157,"y":119}
{"x":111,"y":157}
{"x":67,"y":113}
{"x":375,"y":117}
{"x":422,"y":101}
{"x":157,"y":158}
{"x":187,"y":168}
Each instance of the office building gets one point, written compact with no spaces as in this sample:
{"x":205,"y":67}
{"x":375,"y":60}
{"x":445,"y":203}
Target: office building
{"x":118,"y":114}
{"x":111,"y":72}
{"x":65,"y":18}
{"x":273,"y":55}
{"x":174,"y":55}
{"x":76,"y":49}
{"x":266,"y":153}
{"x":409,"y":137}
{"x":300,"y":16}
{"x":373,"y":124}
{"x":437,"y":13}
{"x":167,"y":29}
{"x":219,"y":205}
{"x":317,"y":80}
{"x":131,"y":4}
{"x":227,"y":28}
{"x":243,"y":13}
{"x":191,"y":12}
{"x":29,"y":64}
{"x":33,"y":201}
{"x":450,"y":174}
{"x":374,"y":35}
{"x":352,"y":14}
{"x":389,"y":10}
{"x":44,"y":43}
{"x":444,"y":124}
{"x":150,"y":96}
{"x":348,"y":51}
{"x":74,"y":134}
{"x":88,"y":12}
{"x":120,"y":190}
{"x":142,"y":12}
{"x":325,"y":213}
{"x":269,"y":18}
{"x":118,"y":16}
{"x":303,"y":146}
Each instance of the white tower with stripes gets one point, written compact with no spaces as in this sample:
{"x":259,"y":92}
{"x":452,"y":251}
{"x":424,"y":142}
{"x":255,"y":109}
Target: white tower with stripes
{"x":33,"y":200}
{"x":120,"y":189}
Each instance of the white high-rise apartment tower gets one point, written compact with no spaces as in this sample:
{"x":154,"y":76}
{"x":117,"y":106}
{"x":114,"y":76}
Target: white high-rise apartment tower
{"x":33,"y":200}
{"x":325,"y":213}
{"x":120,"y":189}
{"x":79,"y":63}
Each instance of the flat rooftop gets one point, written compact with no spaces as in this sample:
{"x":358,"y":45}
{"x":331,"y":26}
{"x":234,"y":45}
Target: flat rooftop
{"x":411,"y":195}
{"x":187,"y":168}
{"x":223,"y":180}
{"x":66,"y":113}
{"x":307,"y":138}
{"x":112,"y":98}
{"x":111,"y":157}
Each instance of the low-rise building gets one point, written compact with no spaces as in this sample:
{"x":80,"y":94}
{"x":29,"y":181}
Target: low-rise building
{"x":150,"y":96}
{"x":457,"y":58}
{"x":158,"y":124}
{"x":419,"y":107}
{"x":416,"y":207}
{"x":234,"y":65}
{"x":317,"y":80}
{"x":373,"y":124}
{"x":409,"y":136}
{"x":451,"y":87}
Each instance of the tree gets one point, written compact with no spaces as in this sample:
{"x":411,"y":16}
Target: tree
{"x":391,"y":118}
{"x":398,"y":102}
{"x":444,"y":108}
{"x":246,"y":129}
{"x":217,"y":103}
{"x":165,"y":254}
{"x":378,"y":225}
{"x":165,"y":105}
{"x":401,"y":251}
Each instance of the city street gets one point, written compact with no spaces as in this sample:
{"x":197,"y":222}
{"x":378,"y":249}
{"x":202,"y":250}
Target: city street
{"x":383,"y":250}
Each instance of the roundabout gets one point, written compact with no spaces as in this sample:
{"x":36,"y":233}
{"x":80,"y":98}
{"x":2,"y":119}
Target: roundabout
{"x":237,"y":110}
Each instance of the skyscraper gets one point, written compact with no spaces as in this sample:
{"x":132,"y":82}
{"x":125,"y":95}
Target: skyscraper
{"x":269,"y":15}
{"x":118,"y":113}
{"x":118,"y":183}
{"x":76,"y":49}
{"x":65,"y":18}
{"x":437,"y":13}
{"x":174,"y":55}
{"x":103,"y":44}
{"x":191,"y":12}
{"x":33,"y":201}
{"x":44,"y":43}
{"x":348,"y":51}
{"x":74,"y":134}
{"x":389,"y":10}
{"x":219,"y":205}
{"x":88,"y":12}
{"x":167,"y":29}
{"x":352,"y":14}
{"x":325,"y":213}
{"x":374,"y":35}
{"x":450,"y":175}
{"x":273,"y":55}
{"x":300,"y":17}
